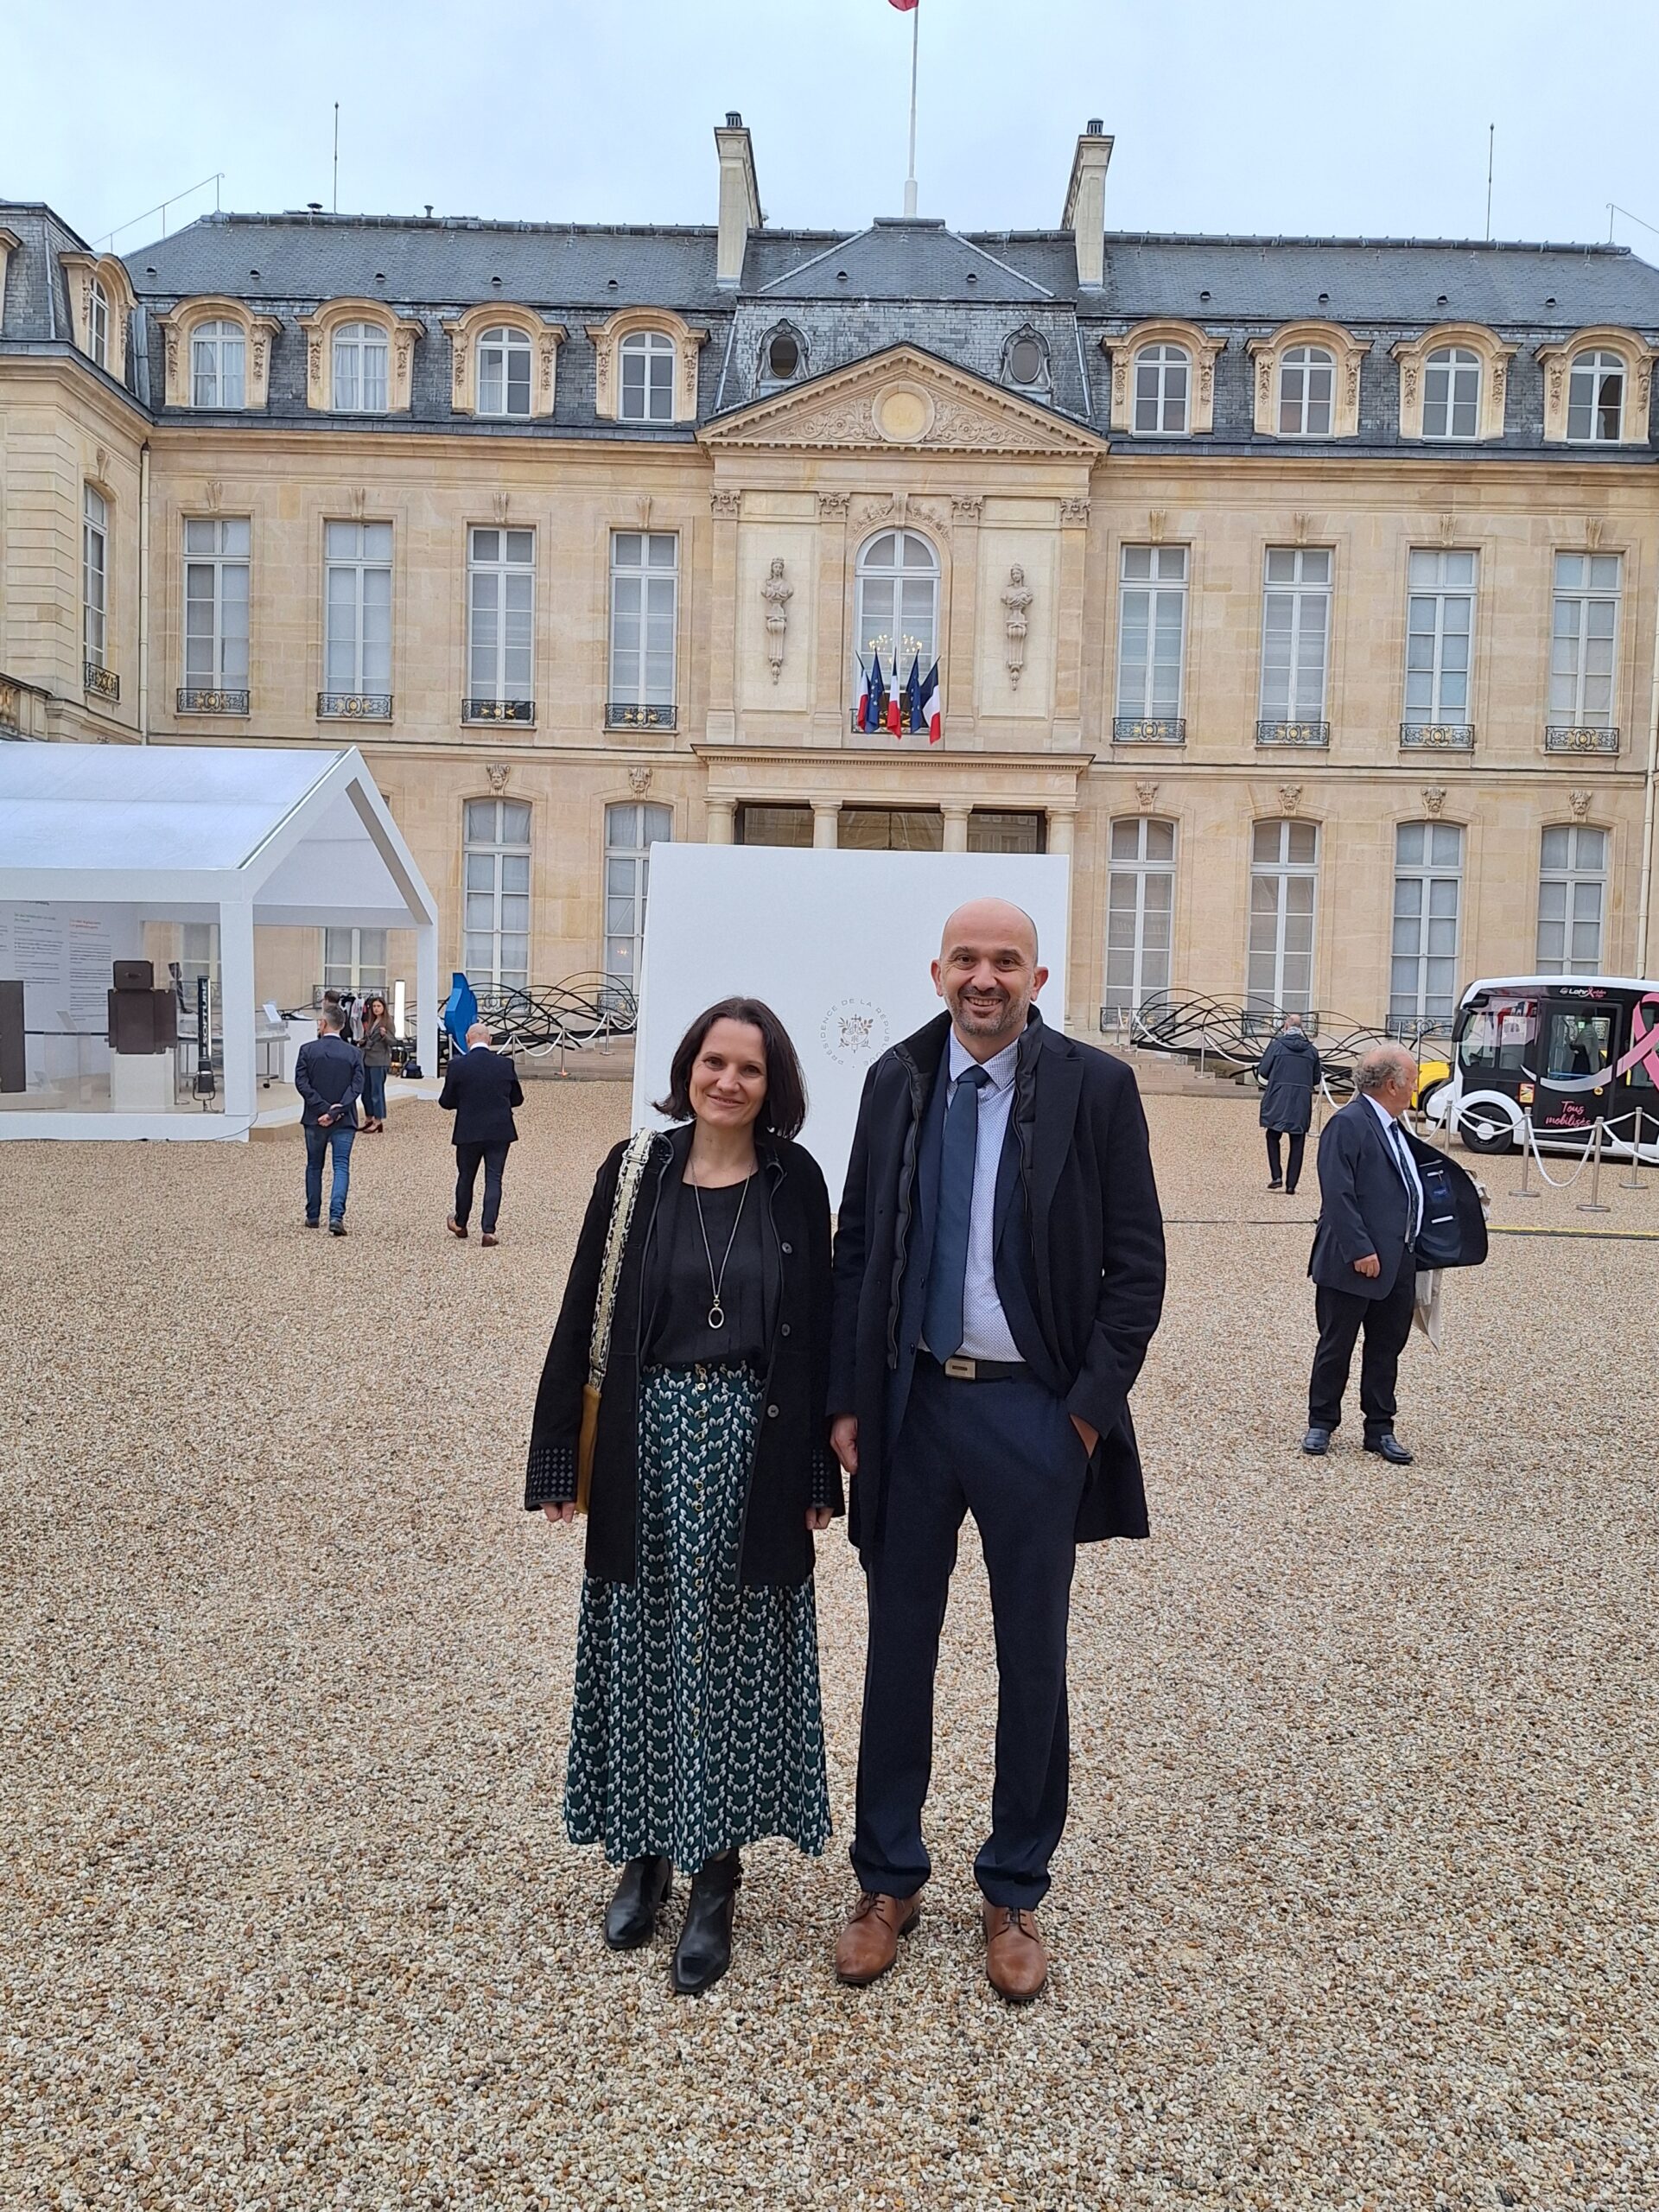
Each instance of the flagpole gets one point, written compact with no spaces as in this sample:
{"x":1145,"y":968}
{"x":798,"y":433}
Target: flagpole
{"x":915,"y":42}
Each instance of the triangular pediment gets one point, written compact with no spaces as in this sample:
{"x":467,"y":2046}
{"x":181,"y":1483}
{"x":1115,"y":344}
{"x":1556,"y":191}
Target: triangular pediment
{"x":902,"y":399}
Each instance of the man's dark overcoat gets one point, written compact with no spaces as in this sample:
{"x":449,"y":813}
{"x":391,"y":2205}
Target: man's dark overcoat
{"x":1289,"y":1069}
{"x":791,"y":1441}
{"x":1364,"y":1207}
{"x":1095,"y":1253}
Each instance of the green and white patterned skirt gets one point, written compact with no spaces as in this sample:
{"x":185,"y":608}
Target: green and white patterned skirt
{"x":697,"y":1724}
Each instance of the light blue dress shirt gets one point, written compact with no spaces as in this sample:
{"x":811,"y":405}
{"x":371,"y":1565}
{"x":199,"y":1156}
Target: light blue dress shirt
{"x":985,"y":1331}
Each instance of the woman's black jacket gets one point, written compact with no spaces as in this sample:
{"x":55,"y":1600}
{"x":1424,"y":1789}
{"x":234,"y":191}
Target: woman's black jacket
{"x":792,"y":1468}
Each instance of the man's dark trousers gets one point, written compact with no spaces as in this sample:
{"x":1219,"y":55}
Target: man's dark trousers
{"x":319,"y":1143}
{"x":1387,"y":1323}
{"x":1008,"y":1453}
{"x":492,"y":1158}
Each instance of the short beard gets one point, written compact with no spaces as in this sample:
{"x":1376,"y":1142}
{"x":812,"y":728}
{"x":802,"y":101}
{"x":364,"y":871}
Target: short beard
{"x":1012,"y":1020}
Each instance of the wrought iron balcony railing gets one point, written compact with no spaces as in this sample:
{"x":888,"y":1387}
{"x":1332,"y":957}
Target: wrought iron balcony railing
{"x":1437,"y":737}
{"x":498,"y":711}
{"x":1303,"y":734}
{"x":198,"y":699}
{"x":102,"y":682}
{"x":1149,"y":729}
{"x":626,"y":714}
{"x":354,"y":706}
{"x":1567,"y":737}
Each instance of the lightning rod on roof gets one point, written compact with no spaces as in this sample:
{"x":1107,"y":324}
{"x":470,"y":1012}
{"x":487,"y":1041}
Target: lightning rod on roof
{"x":336,"y":157}
{"x":1491,"y":141}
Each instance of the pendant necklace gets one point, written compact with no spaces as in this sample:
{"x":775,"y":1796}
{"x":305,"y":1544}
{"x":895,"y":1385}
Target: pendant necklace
{"x":717,"y":1312}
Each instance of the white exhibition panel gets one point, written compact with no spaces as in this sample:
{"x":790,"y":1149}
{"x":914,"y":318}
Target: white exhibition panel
{"x":839,"y":945}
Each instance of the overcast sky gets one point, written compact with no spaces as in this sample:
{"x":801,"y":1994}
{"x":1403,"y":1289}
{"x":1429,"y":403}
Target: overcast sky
{"x":1226,"y":117}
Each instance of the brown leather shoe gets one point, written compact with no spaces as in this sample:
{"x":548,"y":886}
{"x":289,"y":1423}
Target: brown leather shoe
{"x":454,"y":1226}
{"x":869,"y":1942}
{"x":489,"y":1236}
{"x":1014,"y":1957}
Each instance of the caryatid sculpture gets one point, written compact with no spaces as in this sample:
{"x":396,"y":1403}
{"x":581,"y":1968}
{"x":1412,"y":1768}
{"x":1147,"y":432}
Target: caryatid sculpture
{"x":777,"y":593}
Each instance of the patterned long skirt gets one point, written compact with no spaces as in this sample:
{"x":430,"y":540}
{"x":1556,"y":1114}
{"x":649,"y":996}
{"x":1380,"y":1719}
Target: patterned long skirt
{"x":698,"y":1724}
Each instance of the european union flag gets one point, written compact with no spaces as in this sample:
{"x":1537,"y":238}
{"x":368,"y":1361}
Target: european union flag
{"x":876,"y":702}
{"x":913,"y":695}
{"x":460,"y":1009}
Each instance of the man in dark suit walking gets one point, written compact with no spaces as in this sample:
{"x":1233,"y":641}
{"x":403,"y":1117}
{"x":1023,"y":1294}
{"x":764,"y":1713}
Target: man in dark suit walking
{"x":1363,"y":1264}
{"x":481,"y":1089}
{"x":999,"y":1273}
{"x":328,"y":1075}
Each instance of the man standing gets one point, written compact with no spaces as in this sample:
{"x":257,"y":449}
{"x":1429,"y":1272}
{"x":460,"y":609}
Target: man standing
{"x":1289,"y":1070}
{"x":999,"y":1271}
{"x":1364,"y":1271}
{"x":481,"y":1089}
{"x":328,"y":1075}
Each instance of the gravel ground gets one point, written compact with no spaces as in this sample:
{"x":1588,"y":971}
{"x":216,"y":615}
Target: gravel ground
{"x":1357,"y":1904}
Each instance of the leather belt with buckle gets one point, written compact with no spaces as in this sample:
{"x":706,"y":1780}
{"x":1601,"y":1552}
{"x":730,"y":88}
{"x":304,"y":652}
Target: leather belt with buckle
{"x":983,"y":1370}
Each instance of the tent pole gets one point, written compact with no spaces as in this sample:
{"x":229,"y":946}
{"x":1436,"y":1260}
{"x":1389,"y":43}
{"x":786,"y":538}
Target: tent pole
{"x":426,"y":999}
{"x":236,"y":1008}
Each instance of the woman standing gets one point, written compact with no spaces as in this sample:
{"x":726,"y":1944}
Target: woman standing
{"x":1290,"y":1071}
{"x":697,"y":1724}
{"x":377,"y":1061}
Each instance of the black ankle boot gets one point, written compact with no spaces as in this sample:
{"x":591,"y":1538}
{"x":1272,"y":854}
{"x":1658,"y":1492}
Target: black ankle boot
{"x":704,"y":1950}
{"x":631,"y":1918}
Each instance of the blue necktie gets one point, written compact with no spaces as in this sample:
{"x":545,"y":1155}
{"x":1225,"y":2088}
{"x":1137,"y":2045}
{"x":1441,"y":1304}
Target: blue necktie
{"x":1402,"y":1161}
{"x":947,"y":1273}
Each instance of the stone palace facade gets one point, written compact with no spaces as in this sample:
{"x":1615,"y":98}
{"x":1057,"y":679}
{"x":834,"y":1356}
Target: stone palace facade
{"x":1304,"y":591}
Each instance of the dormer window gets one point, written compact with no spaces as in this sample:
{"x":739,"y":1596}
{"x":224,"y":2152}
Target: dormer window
{"x":1306,"y":382}
{"x":1451,"y":393}
{"x":647,"y":384}
{"x":504,"y":372}
{"x":1162,"y":383}
{"x":98,"y":324}
{"x":1595,"y":400}
{"x":1025,"y":363}
{"x":218,"y":355}
{"x":359,"y":370}
{"x":783,"y":358}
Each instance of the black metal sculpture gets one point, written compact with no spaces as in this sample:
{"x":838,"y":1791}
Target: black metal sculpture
{"x":1232,"y":1035}
{"x":542,"y":1018}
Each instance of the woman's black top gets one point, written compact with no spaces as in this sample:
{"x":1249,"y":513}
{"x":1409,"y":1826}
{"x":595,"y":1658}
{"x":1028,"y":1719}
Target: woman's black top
{"x":679,"y":1289}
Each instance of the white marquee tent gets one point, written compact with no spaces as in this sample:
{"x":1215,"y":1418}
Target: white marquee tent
{"x":104,"y":838}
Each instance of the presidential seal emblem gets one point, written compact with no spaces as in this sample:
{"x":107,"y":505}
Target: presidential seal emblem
{"x":852,"y":1031}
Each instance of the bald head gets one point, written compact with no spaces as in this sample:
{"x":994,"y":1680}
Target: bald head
{"x":988,"y":972}
{"x":478,"y":1035}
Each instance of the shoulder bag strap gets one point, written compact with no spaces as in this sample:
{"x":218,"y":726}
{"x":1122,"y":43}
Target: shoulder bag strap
{"x":627,"y":1193}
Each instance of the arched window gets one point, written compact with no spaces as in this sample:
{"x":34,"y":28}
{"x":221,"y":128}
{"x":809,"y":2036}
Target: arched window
{"x":1595,"y":399}
{"x":1284,"y":889}
{"x":1572,"y":899}
{"x":1427,"y":900}
{"x":360,"y":353}
{"x":1308,"y":377}
{"x":647,"y":386}
{"x":1451,"y":393}
{"x":783,"y":358}
{"x":98,"y":324}
{"x":898,"y":612}
{"x":1163,"y":377}
{"x":495,"y":925}
{"x":1140,"y":911}
{"x":218,"y":355}
{"x":502,"y":372}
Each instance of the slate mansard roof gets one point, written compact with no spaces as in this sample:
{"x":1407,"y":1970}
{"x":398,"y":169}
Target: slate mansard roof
{"x":849,"y":294}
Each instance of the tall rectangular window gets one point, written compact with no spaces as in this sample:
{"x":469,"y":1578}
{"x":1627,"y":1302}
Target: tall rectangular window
{"x":630,"y":833}
{"x":1284,"y":892}
{"x":1572,"y":900}
{"x":218,"y":353}
{"x":1427,"y":897}
{"x":1584,"y":643}
{"x":354,"y":960}
{"x":1151,"y":631}
{"x":94,"y":576}
{"x":501,"y":588}
{"x":1295,"y":633}
{"x":645,"y":597}
{"x":495,"y":940}
{"x":1139,"y":913}
{"x":215,"y":605}
{"x":357,"y":614}
{"x":1440,"y":637}
{"x":360,"y":358}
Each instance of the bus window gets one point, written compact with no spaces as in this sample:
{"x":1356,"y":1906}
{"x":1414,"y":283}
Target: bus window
{"x":1578,"y":1044}
{"x":1499,"y":1035}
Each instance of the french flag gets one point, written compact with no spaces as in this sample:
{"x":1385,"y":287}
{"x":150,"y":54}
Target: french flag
{"x":933,"y":711}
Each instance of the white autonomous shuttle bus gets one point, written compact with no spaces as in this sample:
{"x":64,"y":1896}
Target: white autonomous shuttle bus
{"x":1567,"y":1051}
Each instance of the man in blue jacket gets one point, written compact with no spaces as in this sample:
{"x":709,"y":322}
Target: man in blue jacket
{"x":999,"y":1273}
{"x":328,"y":1075}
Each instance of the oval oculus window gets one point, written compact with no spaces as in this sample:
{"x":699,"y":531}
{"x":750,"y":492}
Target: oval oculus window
{"x":1026,"y":361}
{"x":783,"y":356}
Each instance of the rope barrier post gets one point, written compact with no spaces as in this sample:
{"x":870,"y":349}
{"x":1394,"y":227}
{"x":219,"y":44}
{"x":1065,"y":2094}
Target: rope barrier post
{"x":1592,"y":1203}
{"x":1526,"y":1190}
{"x":1633,"y":1180}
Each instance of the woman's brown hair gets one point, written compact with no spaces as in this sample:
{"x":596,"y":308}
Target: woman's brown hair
{"x":783,"y":1110}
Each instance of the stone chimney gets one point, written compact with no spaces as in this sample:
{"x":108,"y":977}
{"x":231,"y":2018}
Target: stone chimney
{"x":740,"y":200}
{"x":1085,"y":204}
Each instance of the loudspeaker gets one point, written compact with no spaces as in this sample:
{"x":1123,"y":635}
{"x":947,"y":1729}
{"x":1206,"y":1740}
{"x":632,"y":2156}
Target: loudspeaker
{"x":135,"y":975}
{"x":12,"y":1075}
{"x":143,"y":1021}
